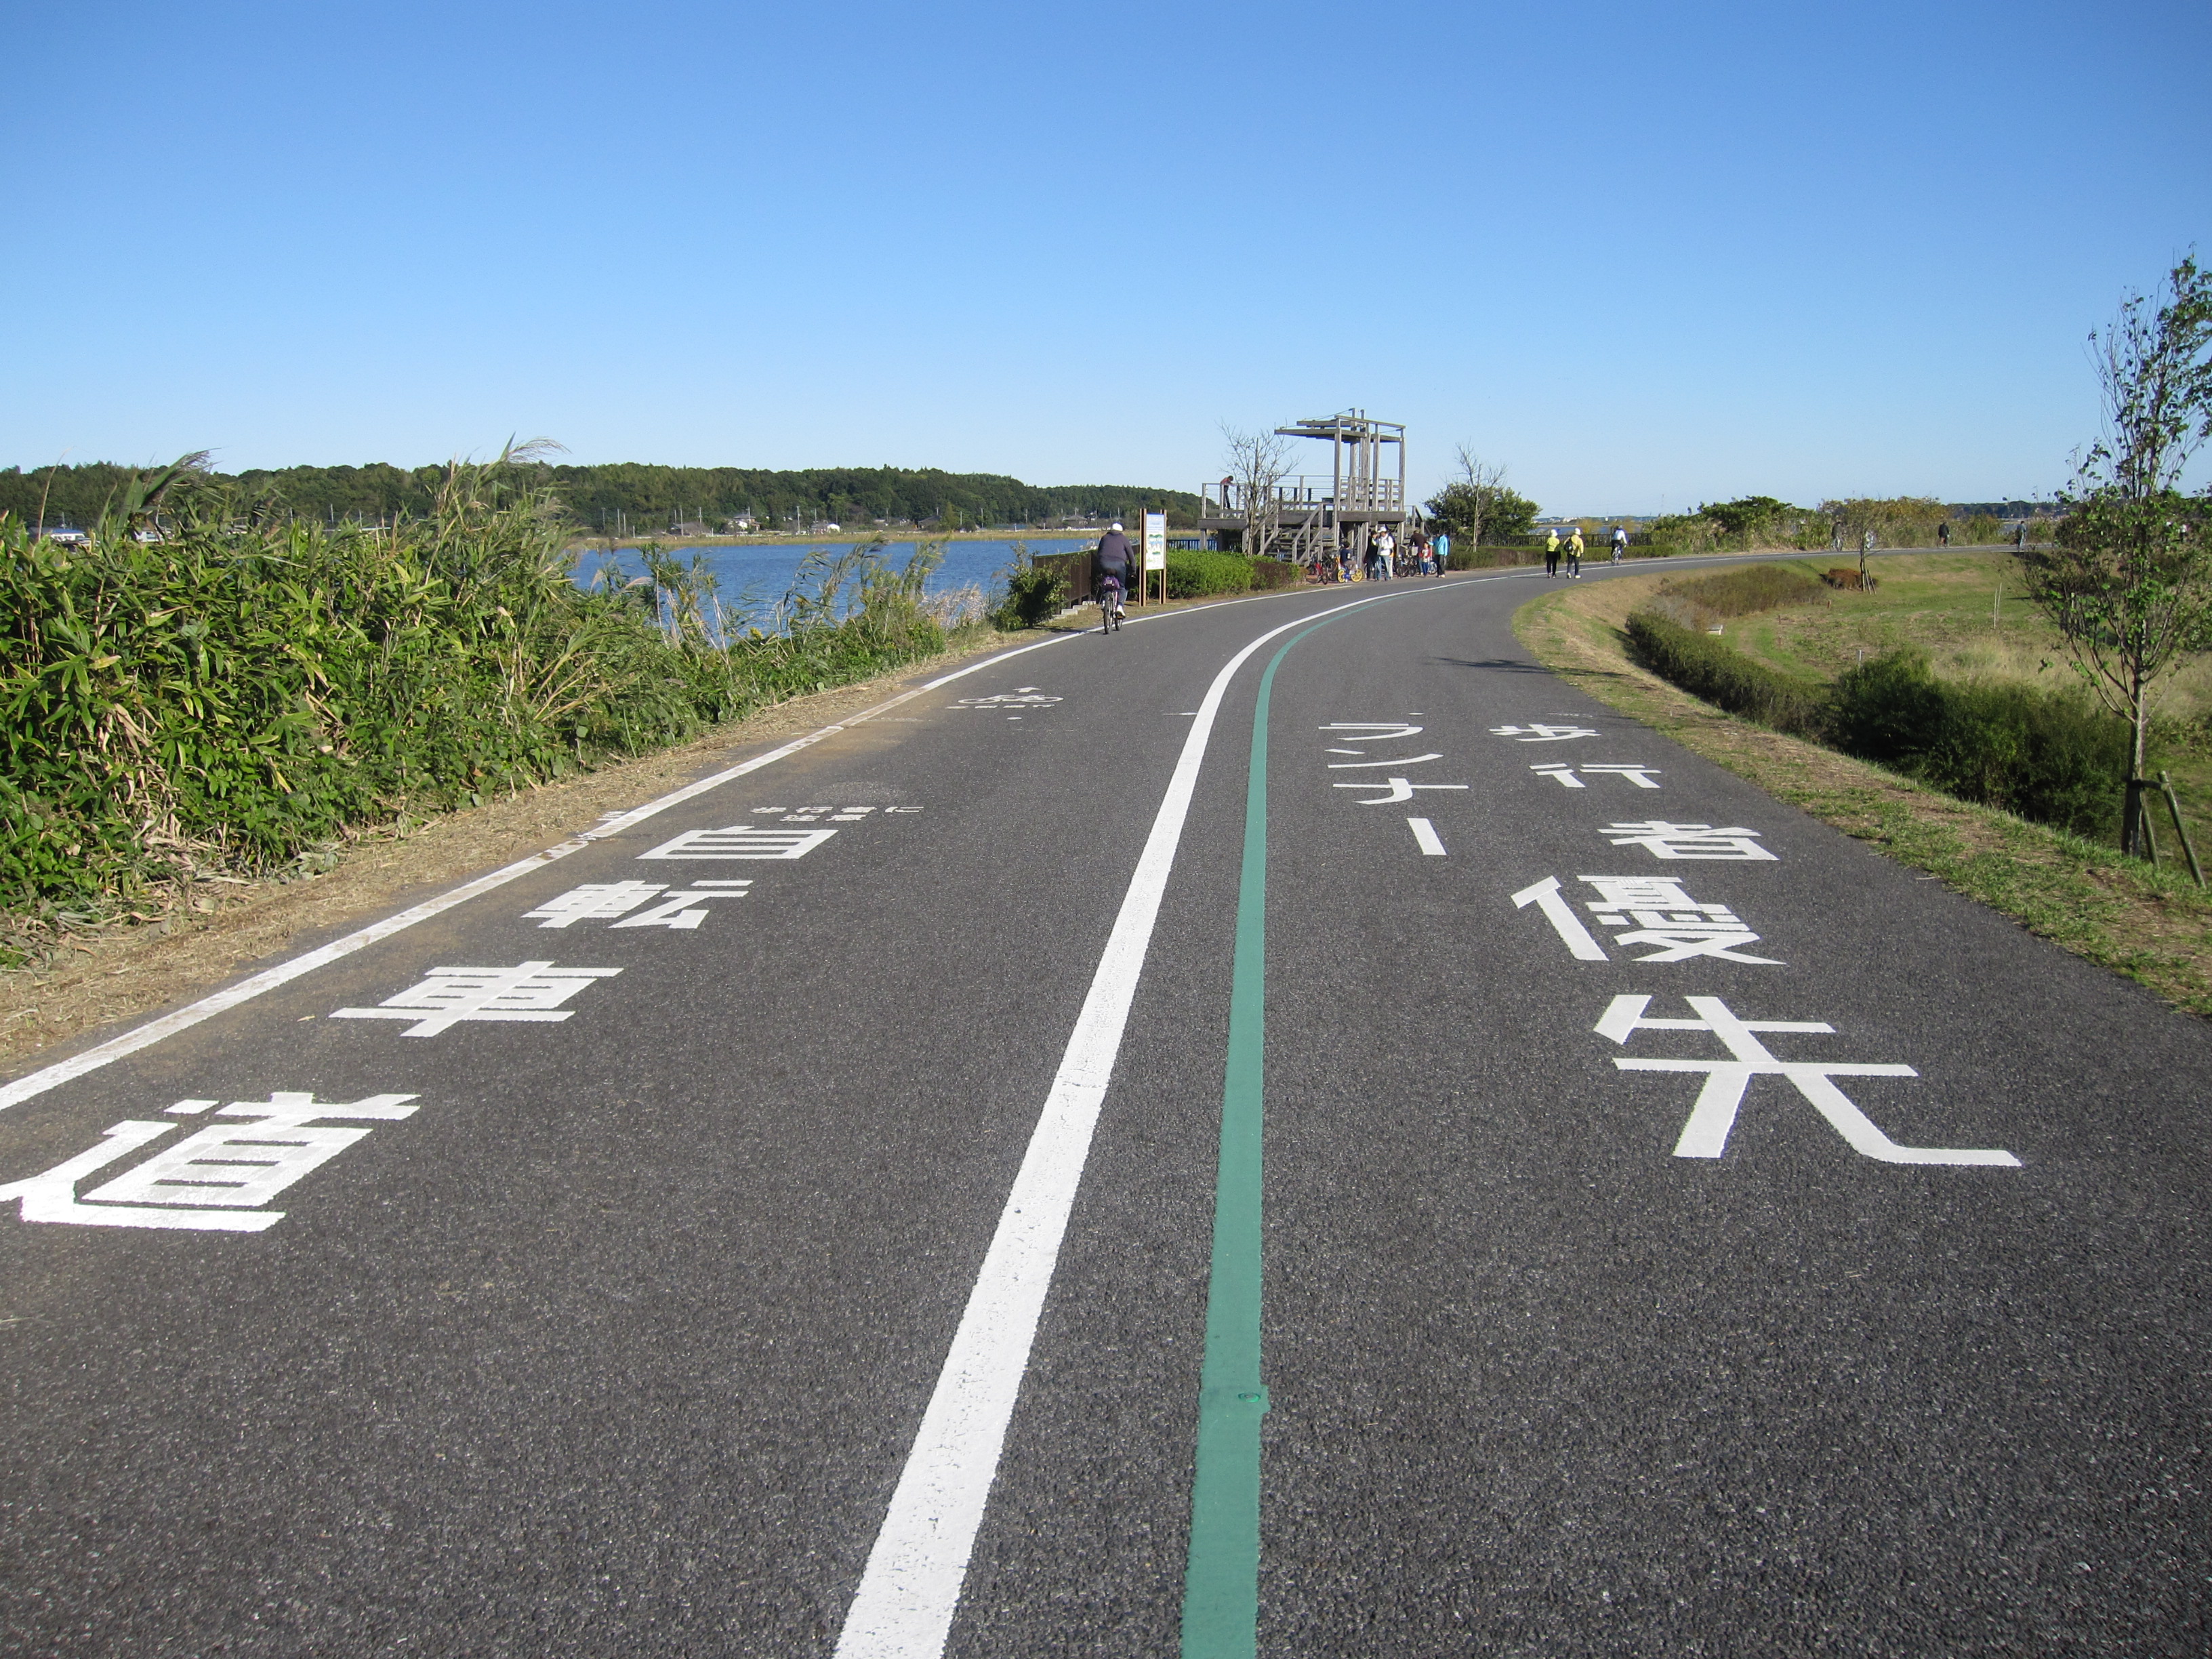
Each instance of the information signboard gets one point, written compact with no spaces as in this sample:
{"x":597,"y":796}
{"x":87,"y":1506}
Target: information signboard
{"x":1155,"y":541}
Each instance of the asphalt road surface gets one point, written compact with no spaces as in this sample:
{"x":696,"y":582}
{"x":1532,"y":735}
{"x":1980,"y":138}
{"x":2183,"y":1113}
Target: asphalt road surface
{"x":1286,"y":1129}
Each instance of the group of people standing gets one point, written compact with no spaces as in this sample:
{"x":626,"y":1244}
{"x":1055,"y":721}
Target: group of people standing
{"x":1387,"y":558}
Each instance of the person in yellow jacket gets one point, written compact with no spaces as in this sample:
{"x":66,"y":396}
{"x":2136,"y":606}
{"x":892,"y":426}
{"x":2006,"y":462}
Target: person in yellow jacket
{"x":1550,"y":553}
{"x":1575,"y":556}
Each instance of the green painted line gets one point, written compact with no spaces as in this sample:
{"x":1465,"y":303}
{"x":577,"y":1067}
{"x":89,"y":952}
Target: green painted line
{"x":1221,"y":1581}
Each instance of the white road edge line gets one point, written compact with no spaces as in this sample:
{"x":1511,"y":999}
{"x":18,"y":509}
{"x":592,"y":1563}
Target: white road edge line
{"x":908,"y":1594}
{"x":52,"y":1076}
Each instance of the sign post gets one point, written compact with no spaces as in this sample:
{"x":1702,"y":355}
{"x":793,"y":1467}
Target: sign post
{"x":1156,"y":551}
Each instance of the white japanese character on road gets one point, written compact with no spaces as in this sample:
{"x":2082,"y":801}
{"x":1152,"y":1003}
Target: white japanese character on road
{"x":1705,"y":1135}
{"x":1543,"y":733}
{"x":1641,"y":776}
{"x":744,"y":840}
{"x":1400,"y":789}
{"x":1690,"y":840}
{"x":211,"y":1182}
{"x":1668,"y":918}
{"x":602,"y":901}
{"x":1664,"y":916}
{"x":529,"y":991}
{"x":1371,"y":731}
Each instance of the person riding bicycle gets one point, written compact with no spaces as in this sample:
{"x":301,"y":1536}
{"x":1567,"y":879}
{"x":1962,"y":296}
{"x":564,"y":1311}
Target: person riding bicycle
{"x":1620,"y":542}
{"x":1111,"y":564}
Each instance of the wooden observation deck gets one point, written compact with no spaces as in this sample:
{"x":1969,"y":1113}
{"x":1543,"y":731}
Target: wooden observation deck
{"x":1311,"y":516}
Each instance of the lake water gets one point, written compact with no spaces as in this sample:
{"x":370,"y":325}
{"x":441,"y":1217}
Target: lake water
{"x":753,"y":578}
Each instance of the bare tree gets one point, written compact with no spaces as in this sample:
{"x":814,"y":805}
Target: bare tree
{"x":1479,"y":485}
{"x":2129,"y":583}
{"x":1257,"y":462}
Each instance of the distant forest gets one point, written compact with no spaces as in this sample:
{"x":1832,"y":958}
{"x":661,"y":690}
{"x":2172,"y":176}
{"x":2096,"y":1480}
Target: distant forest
{"x":635,"y":499}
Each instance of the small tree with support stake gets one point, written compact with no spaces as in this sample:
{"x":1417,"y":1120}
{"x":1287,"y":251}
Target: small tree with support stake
{"x":2128,"y":582}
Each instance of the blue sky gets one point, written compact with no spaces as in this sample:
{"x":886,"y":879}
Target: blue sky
{"x":1636,"y":252}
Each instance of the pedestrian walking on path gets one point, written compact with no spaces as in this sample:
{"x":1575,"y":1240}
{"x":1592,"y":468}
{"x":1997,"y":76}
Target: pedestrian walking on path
{"x":1551,"y":554}
{"x":1386,"y":548}
{"x":1575,"y":556}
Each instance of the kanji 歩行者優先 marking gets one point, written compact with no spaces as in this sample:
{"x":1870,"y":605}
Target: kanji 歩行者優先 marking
{"x":1690,"y":840}
{"x":1705,"y":1135}
{"x":1544,"y":733}
{"x":1662,"y":914}
{"x":1642,"y":777}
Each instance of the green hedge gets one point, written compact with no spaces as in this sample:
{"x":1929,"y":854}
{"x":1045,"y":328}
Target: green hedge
{"x":1703,"y":667}
{"x":1198,"y":575}
{"x":1270,"y":573}
{"x":2052,"y":755}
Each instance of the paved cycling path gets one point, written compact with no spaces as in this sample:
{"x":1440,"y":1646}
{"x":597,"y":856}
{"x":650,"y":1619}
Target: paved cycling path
{"x":833,"y":1245}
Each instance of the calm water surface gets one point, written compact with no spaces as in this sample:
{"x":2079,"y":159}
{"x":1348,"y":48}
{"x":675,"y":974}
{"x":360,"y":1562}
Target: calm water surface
{"x":753,"y":578}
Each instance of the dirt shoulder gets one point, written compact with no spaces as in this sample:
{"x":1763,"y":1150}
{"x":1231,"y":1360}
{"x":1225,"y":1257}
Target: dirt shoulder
{"x":107,"y":977}
{"x":2154,"y":926}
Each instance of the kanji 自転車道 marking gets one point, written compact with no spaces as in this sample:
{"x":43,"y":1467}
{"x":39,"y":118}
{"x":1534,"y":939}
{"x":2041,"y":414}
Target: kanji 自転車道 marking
{"x":531,"y":992}
{"x":1654,"y":910}
{"x":1643,"y":777}
{"x":679,"y":908}
{"x":1544,"y":733}
{"x":214,"y":1180}
{"x":1705,"y":1135}
{"x":1690,"y":840}
{"x":741,"y":841}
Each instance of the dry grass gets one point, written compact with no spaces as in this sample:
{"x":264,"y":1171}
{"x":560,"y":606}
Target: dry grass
{"x":2151,"y":925}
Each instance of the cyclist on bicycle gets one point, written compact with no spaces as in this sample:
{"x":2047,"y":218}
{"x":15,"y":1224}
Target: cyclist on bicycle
{"x":1111,"y":564}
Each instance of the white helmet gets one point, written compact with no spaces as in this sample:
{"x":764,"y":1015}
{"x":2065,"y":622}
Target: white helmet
{"x":1116,"y":525}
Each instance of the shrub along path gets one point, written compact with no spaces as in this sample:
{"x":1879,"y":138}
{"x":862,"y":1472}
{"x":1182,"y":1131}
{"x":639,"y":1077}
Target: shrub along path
{"x":2153,"y":925}
{"x":102,"y":977}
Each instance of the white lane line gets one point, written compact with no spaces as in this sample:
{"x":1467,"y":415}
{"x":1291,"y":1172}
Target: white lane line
{"x":904,"y":1606}
{"x":1425,"y":837}
{"x":52,"y":1076}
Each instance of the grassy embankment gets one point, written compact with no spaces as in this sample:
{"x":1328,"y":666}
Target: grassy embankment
{"x":229,"y":700}
{"x":2153,"y":925}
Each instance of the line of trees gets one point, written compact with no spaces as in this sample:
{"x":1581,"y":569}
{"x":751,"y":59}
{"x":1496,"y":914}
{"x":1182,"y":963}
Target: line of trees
{"x":629,"y":497}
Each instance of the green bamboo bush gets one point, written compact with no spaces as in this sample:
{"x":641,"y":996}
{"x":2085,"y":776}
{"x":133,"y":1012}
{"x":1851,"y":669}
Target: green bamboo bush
{"x":203,"y":690}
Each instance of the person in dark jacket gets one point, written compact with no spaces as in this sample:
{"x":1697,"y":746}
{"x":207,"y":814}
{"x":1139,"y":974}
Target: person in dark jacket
{"x":1113,"y":559}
